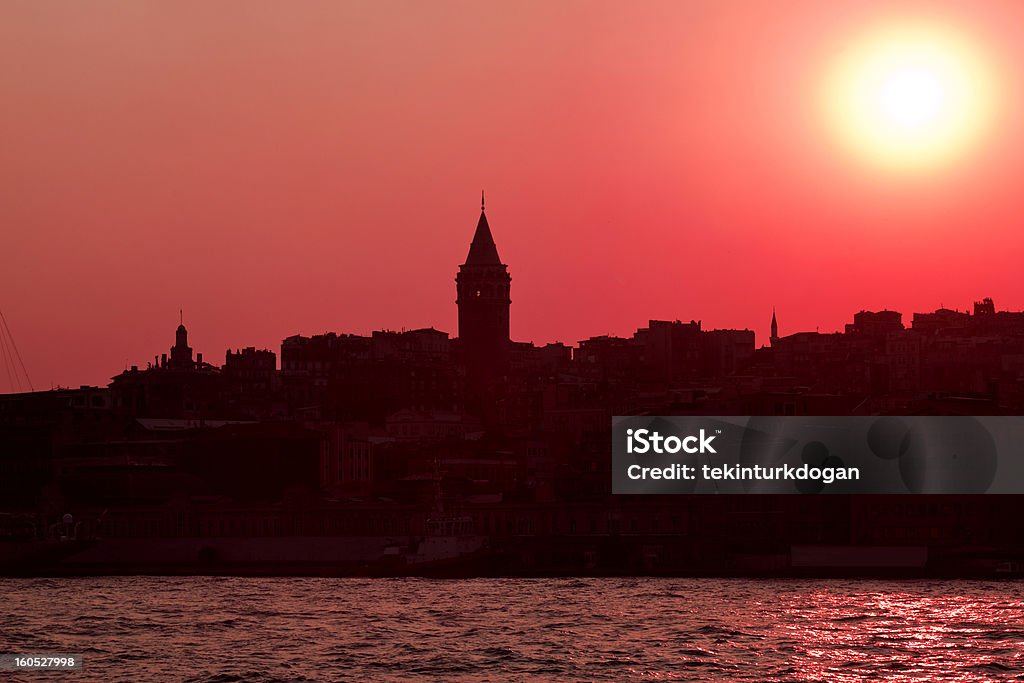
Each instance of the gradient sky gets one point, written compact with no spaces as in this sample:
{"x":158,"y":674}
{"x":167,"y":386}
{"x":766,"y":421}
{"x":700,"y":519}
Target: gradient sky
{"x":281,"y":168}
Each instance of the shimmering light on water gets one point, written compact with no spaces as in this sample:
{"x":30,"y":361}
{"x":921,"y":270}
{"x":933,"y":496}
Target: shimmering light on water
{"x":233,"y":629}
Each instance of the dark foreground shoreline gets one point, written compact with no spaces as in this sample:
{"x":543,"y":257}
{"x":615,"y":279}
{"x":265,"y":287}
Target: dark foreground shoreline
{"x":609,"y":556}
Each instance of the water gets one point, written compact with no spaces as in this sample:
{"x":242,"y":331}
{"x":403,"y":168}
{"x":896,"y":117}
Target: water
{"x":233,"y":629}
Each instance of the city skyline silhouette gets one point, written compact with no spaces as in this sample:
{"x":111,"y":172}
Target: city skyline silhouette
{"x":482,"y":249}
{"x":702,"y":185}
{"x":530,"y":340}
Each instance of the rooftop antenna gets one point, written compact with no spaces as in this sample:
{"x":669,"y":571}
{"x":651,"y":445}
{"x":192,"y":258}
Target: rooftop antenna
{"x":481,"y":201}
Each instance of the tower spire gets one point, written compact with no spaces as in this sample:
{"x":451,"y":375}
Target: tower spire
{"x":482,"y":250}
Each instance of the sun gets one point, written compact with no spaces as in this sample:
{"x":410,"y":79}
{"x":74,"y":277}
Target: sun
{"x":909,"y":97}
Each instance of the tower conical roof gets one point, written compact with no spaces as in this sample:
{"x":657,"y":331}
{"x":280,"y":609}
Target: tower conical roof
{"x":483,"y":251}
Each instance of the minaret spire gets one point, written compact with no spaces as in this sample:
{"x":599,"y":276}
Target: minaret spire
{"x":481,"y":201}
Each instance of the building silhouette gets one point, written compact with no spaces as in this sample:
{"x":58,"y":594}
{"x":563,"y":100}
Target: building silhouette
{"x":483,"y":297}
{"x":875,"y":323}
{"x":354,"y":438}
{"x":181,"y":352}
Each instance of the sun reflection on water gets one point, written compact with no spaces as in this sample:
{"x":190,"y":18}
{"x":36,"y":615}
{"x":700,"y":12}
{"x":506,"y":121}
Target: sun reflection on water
{"x":630,"y":629}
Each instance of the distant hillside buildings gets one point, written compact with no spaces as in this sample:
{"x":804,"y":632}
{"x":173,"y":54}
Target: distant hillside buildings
{"x":876,"y":364}
{"x":351,"y":433}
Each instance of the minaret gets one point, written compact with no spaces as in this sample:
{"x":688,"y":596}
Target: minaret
{"x":482,"y":285}
{"x":775,"y":328}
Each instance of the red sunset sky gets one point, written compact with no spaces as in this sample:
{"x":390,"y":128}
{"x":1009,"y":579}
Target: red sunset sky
{"x":281,"y":168}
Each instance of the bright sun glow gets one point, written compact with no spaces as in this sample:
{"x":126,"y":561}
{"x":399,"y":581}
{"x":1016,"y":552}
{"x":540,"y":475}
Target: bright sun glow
{"x":910,"y":97}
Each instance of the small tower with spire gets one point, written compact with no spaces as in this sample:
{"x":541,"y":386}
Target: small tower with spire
{"x":775,"y":329}
{"x":181,"y":352}
{"x":483,"y":287}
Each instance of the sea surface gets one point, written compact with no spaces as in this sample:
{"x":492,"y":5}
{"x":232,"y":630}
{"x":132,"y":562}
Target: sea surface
{"x":642,"y":629}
